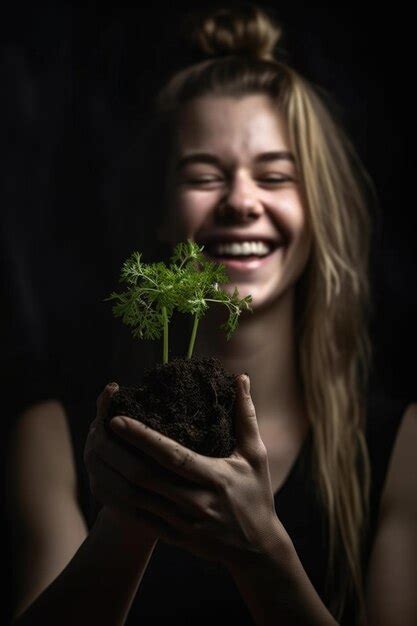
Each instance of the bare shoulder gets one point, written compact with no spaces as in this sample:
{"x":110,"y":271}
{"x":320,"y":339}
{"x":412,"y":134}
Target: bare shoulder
{"x":392,"y":569}
{"x":40,"y":442}
{"x":399,"y":490}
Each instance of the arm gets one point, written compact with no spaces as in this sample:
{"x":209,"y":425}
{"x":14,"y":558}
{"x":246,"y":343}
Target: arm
{"x":283,"y":594}
{"x":277,"y":590}
{"x":392,"y":570}
{"x":101,"y":580}
{"x":62,"y":573}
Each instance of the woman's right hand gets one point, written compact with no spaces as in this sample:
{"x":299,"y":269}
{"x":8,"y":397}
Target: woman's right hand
{"x":119,"y":497}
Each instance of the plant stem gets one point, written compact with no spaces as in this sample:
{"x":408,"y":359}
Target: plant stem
{"x":165,"y":348}
{"x":193,"y":336}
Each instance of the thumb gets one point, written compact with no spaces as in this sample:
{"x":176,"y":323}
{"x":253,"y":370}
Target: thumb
{"x":103,"y":400}
{"x":246,"y":424}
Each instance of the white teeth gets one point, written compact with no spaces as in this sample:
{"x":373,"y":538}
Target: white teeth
{"x":239,"y":249}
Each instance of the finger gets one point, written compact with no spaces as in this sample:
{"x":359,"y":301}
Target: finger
{"x":102,"y":404}
{"x":246,"y":423}
{"x":142,"y":471}
{"x":166,"y":451}
{"x":110,"y":488}
{"x":103,"y":400}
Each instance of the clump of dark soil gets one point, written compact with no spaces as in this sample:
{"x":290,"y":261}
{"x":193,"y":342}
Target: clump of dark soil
{"x":189,"y":400}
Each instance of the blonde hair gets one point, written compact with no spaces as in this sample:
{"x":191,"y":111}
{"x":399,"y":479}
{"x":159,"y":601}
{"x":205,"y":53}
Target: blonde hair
{"x":333,"y":302}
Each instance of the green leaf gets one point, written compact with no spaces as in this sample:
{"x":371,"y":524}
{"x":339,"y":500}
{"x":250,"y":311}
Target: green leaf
{"x":189,"y":284}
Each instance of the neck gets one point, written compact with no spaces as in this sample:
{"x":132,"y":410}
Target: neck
{"x":263,"y":345}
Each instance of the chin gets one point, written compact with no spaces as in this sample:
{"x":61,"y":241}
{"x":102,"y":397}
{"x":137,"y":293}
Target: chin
{"x":262,"y":297}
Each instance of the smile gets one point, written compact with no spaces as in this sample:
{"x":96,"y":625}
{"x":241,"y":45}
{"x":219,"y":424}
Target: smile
{"x":248,"y":263}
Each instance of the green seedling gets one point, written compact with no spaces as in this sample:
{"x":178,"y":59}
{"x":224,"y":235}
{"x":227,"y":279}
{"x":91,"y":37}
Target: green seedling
{"x":188,"y":285}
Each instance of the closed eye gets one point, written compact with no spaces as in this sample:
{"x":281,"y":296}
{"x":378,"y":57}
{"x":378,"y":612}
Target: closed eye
{"x":270,"y":180}
{"x":276,"y":179}
{"x":202,"y":181}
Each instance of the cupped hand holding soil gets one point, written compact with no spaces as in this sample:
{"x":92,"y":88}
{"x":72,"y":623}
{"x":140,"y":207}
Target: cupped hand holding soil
{"x":109,"y":462}
{"x":221,"y":509}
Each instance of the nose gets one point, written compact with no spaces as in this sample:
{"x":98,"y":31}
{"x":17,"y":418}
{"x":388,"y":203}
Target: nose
{"x":240,"y":201}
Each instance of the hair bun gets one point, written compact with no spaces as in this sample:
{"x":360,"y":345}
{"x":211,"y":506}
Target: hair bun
{"x":245,"y":29}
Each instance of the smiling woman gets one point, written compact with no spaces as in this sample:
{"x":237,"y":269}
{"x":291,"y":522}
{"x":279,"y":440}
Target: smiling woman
{"x":254,"y":158}
{"x":230,"y":156}
{"x":227,"y":123}
{"x":257,"y":169}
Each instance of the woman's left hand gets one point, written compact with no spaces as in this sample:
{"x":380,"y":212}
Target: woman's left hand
{"x":222,"y":508}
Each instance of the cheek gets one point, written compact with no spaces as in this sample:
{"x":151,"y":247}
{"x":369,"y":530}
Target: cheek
{"x":188,"y":212}
{"x":291,"y":213}
{"x":294,"y":216}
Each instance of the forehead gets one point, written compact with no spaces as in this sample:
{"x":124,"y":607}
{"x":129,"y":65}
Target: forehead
{"x":236,"y":126}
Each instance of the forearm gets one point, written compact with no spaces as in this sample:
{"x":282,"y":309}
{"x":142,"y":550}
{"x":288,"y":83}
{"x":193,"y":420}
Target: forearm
{"x":101,"y":580}
{"x":278,"y":592}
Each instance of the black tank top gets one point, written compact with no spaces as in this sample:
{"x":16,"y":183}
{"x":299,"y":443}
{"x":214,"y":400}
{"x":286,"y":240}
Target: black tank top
{"x":177,"y":583}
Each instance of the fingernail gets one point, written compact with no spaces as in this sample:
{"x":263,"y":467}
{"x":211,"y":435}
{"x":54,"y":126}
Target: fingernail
{"x":246,"y":382}
{"x":118,"y":423}
{"x":112,"y":386}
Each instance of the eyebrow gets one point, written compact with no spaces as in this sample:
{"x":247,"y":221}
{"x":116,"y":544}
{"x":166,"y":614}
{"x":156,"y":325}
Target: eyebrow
{"x":205,"y":157}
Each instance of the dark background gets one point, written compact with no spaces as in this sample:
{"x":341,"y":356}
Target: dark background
{"x":76,"y":86}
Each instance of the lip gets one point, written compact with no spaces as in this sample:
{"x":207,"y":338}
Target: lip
{"x":239,"y":237}
{"x":246,"y":266}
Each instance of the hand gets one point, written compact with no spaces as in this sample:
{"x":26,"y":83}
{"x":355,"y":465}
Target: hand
{"x":120,"y":498}
{"x":221,"y":509}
